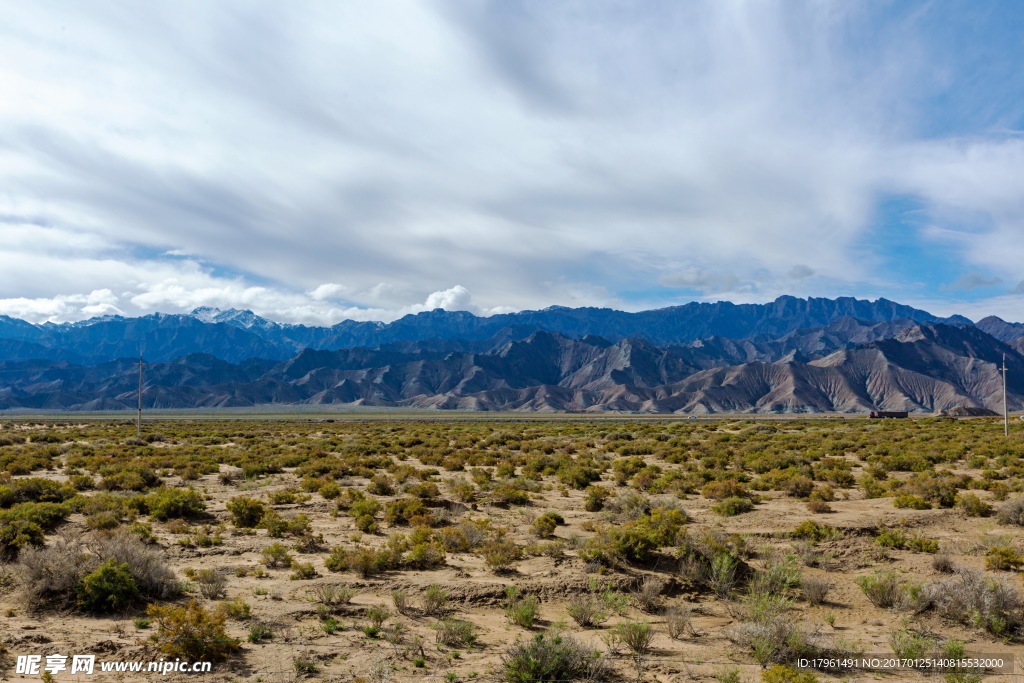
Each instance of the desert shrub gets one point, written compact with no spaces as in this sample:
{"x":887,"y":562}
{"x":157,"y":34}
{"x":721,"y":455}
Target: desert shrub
{"x":519,"y":610}
{"x":212,"y":584}
{"x":596,"y":497}
{"x":815,"y":531}
{"x":552,"y":657}
{"x":922,"y":545}
{"x":332,"y":594}
{"x":16,"y":534}
{"x":34,"y":490}
{"x":732,"y":506}
{"x":276,"y":555}
{"x":647,"y":597}
{"x":800,"y":486}
{"x":175,"y":503}
{"x":192,"y":633}
{"x":815,"y":589}
{"x":246,"y":513}
{"x":24,"y":525}
{"x":545,"y":525}
{"x":279,"y":527}
{"x":130,"y":479}
{"x":237,"y":609}
{"x":404,"y":510}
{"x":54,"y":576}
{"x":400,"y":599}
{"x":722,"y":490}
{"x":367,"y":524}
{"x":337,"y":559}
{"x":1012,"y":512}
{"x":109,"y":588}
{"x":907,"y":644}
{"x":897,"y":540}
{"x":455,"y":633}
{"x":818,"y":506}
{"x":587,"y":610}
{"x":81,"y":482}
{"x":635,"y":635}
{"x":637,"y":540}
{"x":1003,"y":557}
{"x":367,"y":507}
{"x":578,"y":477}
{"x":679,"y":621}
{"x":891,"y":538}
{"x":500,"y":555}
{"x":786,"y":674}
{"x":907,"y":500}
{"x":368,"y":562}
{"x":943,"y":563}
{"x":778,"y":639}
{"x":329,"y":490}
{"x":884,"y":589}
{"x":973,"y":506}
{"x":435,"y":600}
{"x":381,"y":485}
{"x":510,"y":493}
{"x":258,"y":631}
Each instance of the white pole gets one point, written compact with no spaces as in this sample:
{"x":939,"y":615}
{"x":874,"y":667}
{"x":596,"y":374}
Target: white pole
{"x":138,"y":421}
{"x":1006,"y":410}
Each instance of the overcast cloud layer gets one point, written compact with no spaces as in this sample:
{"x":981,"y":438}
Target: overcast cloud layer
{"x":320,"y":161}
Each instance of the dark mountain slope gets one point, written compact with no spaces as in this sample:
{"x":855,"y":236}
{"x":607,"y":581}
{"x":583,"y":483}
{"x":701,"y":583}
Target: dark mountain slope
{"x":236,"y":335}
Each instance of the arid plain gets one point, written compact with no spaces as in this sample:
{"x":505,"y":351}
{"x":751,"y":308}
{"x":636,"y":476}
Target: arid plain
{"x":375,"y":549}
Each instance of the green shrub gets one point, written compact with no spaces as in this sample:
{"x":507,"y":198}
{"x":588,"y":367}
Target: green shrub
{"x":787,"y":674}
{"x":553,"y":657}
{"x":884,"y":589}
{"x":455,"y":633}
{"x":192,"y":633}
{"x":545,"y":525}
{"x":34,"y":490}
{"x":910,"y":645}
{"x":246,"y":513}
{"x":913,"y":502}
{"x":815,"y":531}
{"x":891,"y":538}
{"x":337,"y":560}
{"x":277,"y":555}
{"x":635,"y":635}
{"x":110,"y":588}
{"x":435,"y":600}
{"x":523,"y":611}
{"x":587,"y":610}
{"x":175,"y":503}
{"x":1003,"y":557}
{"x":16,"y":534}
{"x":732,"y":506}
{"x":404,"y":510}
{"x":596,"y":496}
{"x":500,"y":555}
{"x":130,"y":479}
{"x":973,"y":506}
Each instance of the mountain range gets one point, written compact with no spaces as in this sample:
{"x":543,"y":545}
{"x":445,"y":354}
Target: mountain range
{"x":790,"y":355}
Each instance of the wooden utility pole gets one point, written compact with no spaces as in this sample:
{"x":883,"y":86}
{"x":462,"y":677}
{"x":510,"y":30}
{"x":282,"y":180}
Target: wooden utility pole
{"x":138,"y":421}
{"x":1006,"y":409}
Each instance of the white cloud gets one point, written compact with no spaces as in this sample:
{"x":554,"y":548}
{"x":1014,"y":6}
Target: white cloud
{"x":698,"y":278}
{"x":328,"y":290}
{"x":455,"y":299}
{"x":237,"y":154}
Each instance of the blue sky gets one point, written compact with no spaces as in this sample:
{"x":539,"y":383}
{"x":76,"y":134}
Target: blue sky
{"x":316,"y":161}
